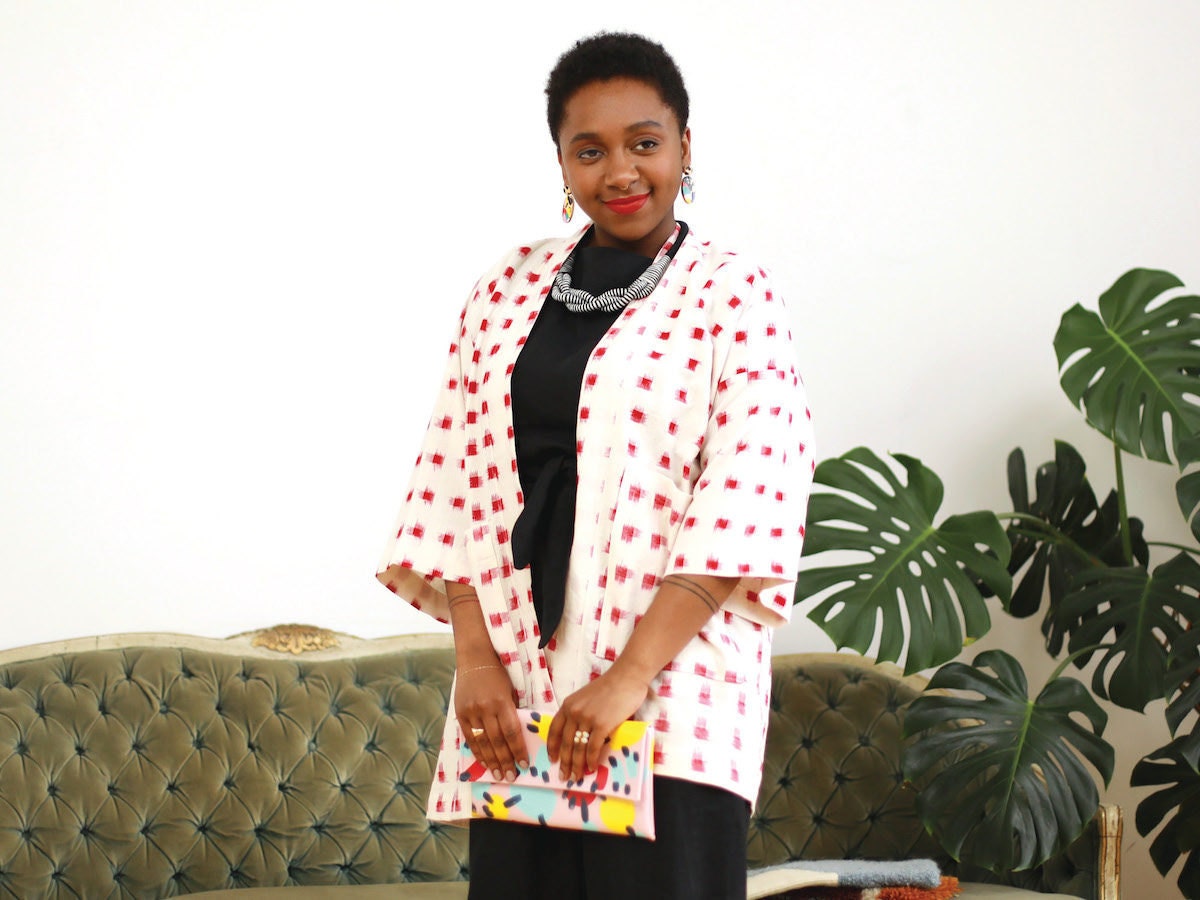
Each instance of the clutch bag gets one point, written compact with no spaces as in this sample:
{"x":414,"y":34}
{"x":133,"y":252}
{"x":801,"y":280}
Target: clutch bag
{"x":618,"y":798}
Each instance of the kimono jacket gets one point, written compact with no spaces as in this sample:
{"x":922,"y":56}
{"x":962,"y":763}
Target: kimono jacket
{"x":694,"y":455}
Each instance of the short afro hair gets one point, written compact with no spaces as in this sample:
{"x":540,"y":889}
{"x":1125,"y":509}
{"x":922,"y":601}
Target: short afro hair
{"x":610,"y":55}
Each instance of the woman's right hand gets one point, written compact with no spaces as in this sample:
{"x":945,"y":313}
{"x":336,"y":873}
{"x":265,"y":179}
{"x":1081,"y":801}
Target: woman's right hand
{"x":485,"y":704}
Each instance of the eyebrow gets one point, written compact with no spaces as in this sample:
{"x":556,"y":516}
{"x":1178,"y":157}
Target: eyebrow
{"x":636,"y":126}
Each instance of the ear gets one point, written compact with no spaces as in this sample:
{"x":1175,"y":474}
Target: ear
{"x":686,"y":144}
{"x":561,"y":167}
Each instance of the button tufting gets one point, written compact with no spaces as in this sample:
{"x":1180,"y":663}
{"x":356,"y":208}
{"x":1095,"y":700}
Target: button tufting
{"x":162,"y":707}
{"x":52,"y":789}
{"x":80,"y":750}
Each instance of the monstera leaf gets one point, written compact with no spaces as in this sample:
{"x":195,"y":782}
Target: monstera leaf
{"x":1008,"y":787}
{"x":1187,"y":488}
{"x":1183,"y":678}
{"x":1073,"y":534}
{"x":1131,"y":366}
{"x":1174,"y":766}
{"x":1187,"y":492}
{"x":914,"y":572}
{"x":1136,"y":616}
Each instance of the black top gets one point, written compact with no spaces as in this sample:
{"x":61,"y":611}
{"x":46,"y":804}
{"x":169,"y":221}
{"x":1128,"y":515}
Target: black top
{"x":545,"y":395}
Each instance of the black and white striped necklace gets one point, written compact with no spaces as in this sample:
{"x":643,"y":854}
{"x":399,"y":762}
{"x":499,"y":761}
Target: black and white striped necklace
{"x":578,"y":300}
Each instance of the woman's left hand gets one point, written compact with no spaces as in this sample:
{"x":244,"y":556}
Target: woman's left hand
{"x":595,"y":710}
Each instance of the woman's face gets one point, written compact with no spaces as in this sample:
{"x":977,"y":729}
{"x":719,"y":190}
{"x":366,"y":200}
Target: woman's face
{"x":622,"y":156}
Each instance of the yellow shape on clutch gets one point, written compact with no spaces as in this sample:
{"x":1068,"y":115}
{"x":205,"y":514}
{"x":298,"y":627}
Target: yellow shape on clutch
{"x":627,"y":734}
{"x":617,"y":814}
{"x":495,"y":806}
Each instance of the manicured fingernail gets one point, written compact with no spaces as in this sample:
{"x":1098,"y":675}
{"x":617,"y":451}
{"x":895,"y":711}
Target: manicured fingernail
{"x":496,"y":774}
{"x":522,"y":763}
{"x":510,"y":776}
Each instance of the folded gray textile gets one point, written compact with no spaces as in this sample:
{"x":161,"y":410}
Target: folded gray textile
{"x":868,"y":873}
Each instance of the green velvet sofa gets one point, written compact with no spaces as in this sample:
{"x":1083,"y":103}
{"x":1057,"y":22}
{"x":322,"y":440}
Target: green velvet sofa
{"x":294,"y":763}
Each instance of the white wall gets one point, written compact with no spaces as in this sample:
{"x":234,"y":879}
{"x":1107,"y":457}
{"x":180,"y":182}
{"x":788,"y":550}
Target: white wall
{"x":234,"y":237}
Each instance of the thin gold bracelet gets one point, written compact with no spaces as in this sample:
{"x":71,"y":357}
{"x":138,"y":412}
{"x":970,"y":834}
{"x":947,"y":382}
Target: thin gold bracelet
{"x":478,"y":669}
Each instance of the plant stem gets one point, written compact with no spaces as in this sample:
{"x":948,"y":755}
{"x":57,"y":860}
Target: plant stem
{"x":1045,"y":528}
{"x":1126,"y":538}
{"x":1062,"y":666}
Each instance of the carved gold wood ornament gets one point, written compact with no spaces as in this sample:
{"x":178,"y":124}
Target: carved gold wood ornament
{"x":295,"y":638}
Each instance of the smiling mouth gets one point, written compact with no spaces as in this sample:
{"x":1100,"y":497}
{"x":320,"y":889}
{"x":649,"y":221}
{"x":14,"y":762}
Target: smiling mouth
{"x":627,"y":205}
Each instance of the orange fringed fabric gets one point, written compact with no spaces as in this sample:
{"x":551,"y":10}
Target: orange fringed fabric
{"x":944,"y":891}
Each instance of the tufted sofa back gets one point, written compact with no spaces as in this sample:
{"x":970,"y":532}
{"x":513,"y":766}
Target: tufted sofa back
{"x":832,"y":786}
{"x":159,"y":771}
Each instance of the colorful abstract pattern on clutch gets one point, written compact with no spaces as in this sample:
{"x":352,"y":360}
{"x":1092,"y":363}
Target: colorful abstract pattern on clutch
{"x":618,"y":798}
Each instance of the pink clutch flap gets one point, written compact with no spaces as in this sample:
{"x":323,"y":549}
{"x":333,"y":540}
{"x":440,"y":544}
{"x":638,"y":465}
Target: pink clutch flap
{"x":618,"y":798}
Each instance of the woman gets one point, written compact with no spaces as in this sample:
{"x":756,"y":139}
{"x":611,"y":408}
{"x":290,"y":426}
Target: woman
{"x":609,"y":503}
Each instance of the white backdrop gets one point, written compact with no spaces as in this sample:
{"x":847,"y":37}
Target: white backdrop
{"x":234,"y":239}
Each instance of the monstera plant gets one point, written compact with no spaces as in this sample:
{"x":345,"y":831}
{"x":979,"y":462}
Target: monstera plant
{"x":1008,"y":776}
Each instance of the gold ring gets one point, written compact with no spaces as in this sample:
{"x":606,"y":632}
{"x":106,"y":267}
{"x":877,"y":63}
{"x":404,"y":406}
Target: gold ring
{"x":582,"y":737}
{"x":476,"y":732}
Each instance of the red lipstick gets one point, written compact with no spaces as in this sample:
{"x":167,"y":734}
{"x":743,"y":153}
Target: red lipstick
{"x":626,"y":206}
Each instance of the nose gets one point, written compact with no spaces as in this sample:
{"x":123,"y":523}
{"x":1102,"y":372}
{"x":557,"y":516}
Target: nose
{"x":622,"y":171}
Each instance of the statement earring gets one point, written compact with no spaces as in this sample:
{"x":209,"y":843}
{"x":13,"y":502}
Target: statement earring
{"x":568,"y":209}
{"x":687,"y":187}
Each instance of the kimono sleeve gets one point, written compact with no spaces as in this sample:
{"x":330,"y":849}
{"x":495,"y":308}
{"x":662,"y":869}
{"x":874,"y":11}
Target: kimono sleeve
{"x":747,"y":511}
{"x":428,"y":545}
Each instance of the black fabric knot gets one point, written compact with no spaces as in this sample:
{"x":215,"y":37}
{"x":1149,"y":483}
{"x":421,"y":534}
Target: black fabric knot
{"x":541,"y":540}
